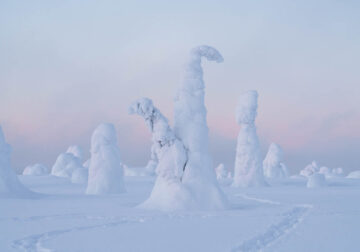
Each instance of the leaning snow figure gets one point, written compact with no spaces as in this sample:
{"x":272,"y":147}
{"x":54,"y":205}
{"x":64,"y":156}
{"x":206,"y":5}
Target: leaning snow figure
{"x":105,"y":170}
{"x":169,"y":154}
{"x":191,"y":128}
{"x":248,"y":169}
{"x":9,"y":182}
{"x":272,"y":164}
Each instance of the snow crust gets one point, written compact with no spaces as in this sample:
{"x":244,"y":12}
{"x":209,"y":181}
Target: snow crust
{"x":36,"y":170}
{"x":248,"y":169}
{"x":9,"y":182}
{"x":105,"y":170}
{"x":191,"y":129}
{"x":273,"y":163}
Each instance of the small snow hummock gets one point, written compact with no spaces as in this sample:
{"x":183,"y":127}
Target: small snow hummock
{"x":272,"y":164}
{"x":9,"y":182}
{"x":36,"y":170}
{"x":191,"y":129}
{"x":248,"y":169}
{"x":354,"y":175}
{"x":316,"y":180}
{"x":168,"y":193}
{"x":106,"y":174}
{"x":65,"y":165}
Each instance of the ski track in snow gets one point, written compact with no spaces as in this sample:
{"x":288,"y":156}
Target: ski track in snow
{"x":276,"y":231}
{"x":34,"y":243}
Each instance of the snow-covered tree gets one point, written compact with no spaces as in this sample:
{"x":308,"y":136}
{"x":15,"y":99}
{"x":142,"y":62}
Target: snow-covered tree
{"x":191,"y":128}
{"x":170,"y":155}
{"x":76,"y":151}
{"x":310,"y":169}
{"x":65,"y":165}
{"x":248,"y":169}
{"x":36,"y":170}
{"x":273,"y":163}
{"x":9,"y":182}
{"x":316,"y":180}
{"x":105,"y":171}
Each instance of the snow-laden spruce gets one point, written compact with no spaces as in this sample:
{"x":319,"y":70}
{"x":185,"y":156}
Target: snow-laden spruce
{"x":273,"y":165}
{"x":310,"y":169}
{"x":9,"y":182}
{"x":316,"y":180}
{"x":191,"y":128}
{"x":248,"y":169}
{"x":76,"y":151}
{"x":168,"y":193}
{"x":222,"y":175}
{"x":65,"y":164}
{"x":36,"y":170}
{"x":331,"y":173}
{"x":105,"y":170}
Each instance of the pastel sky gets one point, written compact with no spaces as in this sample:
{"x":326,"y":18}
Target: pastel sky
{"x":66,"y":66}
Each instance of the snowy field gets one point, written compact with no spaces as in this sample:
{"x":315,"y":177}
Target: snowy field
{"x":286,"y":216}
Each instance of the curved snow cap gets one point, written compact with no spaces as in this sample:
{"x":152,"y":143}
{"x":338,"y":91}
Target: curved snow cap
{"x":246,"y":110}
{"x":210,"y":53}
{"x":104,"y":134}
{"x":143,"y":106}
{"x":76,"y":151}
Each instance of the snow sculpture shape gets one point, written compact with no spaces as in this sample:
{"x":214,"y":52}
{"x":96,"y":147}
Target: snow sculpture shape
{"x":272,"y":164}
{"x":310,"y":169}
{"x":65,"y":165}
{"x":191,"y":128}
{"x":248,"y":169}
{"x":316,"y":180}
{"x":9,"y":182}
{"x":76,"y":151}
{"x":168,"y":193}
{"x":36,"y":170}
{"x":105,"y":170}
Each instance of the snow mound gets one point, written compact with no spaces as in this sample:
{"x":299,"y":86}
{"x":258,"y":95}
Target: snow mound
{"x":105,"y":170}
{"x":272,"y":164}
{"x":65,"y":165}
{"x":248,"y":169}
{"x":36,"y":170}
{"x":80,"y":176}
{"x":354,"y":175}
{"x":328,"y":173}
{"x":9,"y":182}
{"x":316,"y":180}
{"x":310,"y":169}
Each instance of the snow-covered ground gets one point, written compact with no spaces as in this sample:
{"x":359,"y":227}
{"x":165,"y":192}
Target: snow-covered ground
{"x":286,"y":216}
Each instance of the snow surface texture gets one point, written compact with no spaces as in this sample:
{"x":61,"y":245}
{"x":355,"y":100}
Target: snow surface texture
{"x":191,"y":128}
{"x":9,"y":182}
{"x":316,"y":180}
{"x":272,"y":164}
{"x":248,"y":169}
{"x":168,"y":193}
{"x":105,"y":171}
{"x":65,"y":165}
{"x":36,"y":170}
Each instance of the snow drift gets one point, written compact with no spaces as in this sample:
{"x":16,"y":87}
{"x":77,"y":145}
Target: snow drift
{"x":9,"y":182}
{"x":105,"y":170}
{"x":36,"y":170}
{"x":273,"y":165}
{"x":248,"y":169}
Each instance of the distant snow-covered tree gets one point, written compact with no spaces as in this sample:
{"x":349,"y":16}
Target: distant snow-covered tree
{"x":248,"y":169}
{"x":273,"y":163}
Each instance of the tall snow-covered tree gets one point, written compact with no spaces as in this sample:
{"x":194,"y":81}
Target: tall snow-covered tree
{"x":191,"y":128}
{"x":9,"y":182}
{"x":105,"y":170}
{"x":170,"y":155}
{"x":248,"y":169}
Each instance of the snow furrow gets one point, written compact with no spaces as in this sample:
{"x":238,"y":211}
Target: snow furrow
{"x":291,"y":219}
